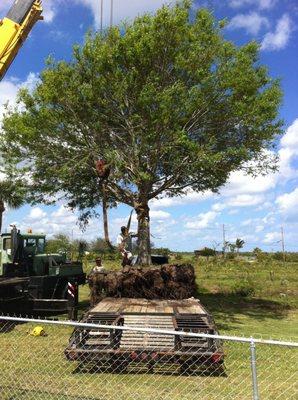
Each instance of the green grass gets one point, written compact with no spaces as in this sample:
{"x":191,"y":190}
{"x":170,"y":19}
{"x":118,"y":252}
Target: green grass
{"x":270,"y":311}
{"x":35,"y":368}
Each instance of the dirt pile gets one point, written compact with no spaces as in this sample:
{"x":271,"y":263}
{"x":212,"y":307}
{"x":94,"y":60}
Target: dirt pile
{"x":158,"y":282}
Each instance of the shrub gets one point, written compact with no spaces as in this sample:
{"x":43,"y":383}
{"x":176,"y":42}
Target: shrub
{"x":205,"y":252}
{"x":244,"y":289}
{"x":163,"y":251}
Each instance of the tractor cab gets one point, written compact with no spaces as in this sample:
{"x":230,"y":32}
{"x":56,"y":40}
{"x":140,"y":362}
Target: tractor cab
{"x":45,"y":276}
{"x":18,"y":252}
{"x":23,"y":254}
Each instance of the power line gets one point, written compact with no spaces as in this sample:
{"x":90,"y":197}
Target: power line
{"x":223,"y":238}
{"x":283,"y":243}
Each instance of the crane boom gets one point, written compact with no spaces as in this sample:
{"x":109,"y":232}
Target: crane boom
{"x":15,"y":28}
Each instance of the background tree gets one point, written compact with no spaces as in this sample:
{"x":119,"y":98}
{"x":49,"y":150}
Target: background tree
{"x":166,"y":102}
{"x":99,"y":245}
{"x":79,"y":247}
{"x":239,"y":243}
{"x":12,"y":195}
{"x":205,"y":252}
{"x":232,"y":247}
{"x":60,"y":243}
{"x":225,"y":247}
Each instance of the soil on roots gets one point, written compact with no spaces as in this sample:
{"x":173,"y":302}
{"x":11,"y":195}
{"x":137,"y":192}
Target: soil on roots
{"x":158,"y":282}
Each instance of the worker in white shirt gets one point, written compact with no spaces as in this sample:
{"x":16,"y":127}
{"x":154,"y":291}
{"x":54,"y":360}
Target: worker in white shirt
{"x":98,"y":266}
{"x":124,"y":244}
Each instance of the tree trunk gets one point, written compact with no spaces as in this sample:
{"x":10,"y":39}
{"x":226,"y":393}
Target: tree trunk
{"x":105,"y":217}
{"x":2,"y":209}
{"x":144,"y":248}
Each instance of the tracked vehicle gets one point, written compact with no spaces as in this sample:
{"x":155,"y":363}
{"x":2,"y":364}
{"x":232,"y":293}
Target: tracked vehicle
{"x":32,"y":280}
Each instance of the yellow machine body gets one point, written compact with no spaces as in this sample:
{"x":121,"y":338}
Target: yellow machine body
{"x":13,"y":35}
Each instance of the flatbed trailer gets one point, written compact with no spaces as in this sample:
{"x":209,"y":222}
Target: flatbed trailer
{"x":121,"y":349}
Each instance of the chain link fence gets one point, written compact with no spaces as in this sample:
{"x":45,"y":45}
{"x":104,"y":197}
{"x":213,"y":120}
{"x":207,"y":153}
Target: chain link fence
{"x":60,"y":360}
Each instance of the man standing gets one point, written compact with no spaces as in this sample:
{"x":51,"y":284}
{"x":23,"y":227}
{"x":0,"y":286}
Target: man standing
{"x":124,"y":244}
{"x":98,"y":266}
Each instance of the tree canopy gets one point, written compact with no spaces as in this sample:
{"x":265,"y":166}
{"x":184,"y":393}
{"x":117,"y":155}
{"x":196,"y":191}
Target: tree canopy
{"x":166,"y":102}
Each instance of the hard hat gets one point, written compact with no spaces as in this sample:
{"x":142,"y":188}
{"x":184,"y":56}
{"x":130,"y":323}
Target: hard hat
{"x":38,"y":331}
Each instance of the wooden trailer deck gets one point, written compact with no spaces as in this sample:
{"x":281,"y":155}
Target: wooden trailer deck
{"x":125,"y":306}
{"x":101,"y":345}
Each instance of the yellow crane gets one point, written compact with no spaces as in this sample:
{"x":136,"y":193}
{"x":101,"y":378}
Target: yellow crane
{"x":15,"y":28}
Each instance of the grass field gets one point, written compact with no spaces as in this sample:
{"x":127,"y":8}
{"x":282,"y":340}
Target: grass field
{"x":35,"y":368}
{"x":269,"y":310}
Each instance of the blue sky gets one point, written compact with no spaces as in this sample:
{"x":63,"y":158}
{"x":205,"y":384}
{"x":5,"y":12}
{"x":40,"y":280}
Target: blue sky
{"x":252,"y":209}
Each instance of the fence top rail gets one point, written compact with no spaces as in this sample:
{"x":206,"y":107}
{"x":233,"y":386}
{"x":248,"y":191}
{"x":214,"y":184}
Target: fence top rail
{"x":148,"y":330}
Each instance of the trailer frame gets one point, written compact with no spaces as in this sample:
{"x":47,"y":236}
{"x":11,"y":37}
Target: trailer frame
{"x":113,"y":346}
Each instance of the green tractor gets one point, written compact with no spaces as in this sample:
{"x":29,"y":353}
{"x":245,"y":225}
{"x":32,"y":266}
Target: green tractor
{"x":30,"y":278}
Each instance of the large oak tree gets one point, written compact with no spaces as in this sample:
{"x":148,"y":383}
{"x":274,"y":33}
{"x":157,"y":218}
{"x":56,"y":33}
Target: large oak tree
{"x":167,"y":102}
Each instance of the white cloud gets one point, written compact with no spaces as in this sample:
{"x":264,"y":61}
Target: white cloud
{"x":245,"y":200}
{"x":278,"y":39}
{"x":252,"y":22}
{"x":62,"y":220}
{"x":36,"y":213}
{"x":244,"y":190}
{"x":190,"y":198}
{"x":287,"y":203}
{"x":233,"y":211}
{"x":262,"y":4}
{"x":290,"y":138}
{"x":272,"y":237}
{"x":269,"y":219}
{"x":247,"y":222}
{"x":122,"y":9}
{"x":8,"y":94}
{"x":9,"y":89}
{"x":259,"y":228}
{"x":202,"y":220}
{"x":64,"y":215}
{"x":50,"y":9}
{"x":241,"y":183}
{"x":159,"y":215}
{"x":253,"y":223}
{"x":218,"y":207}
{"x":289,"y":151}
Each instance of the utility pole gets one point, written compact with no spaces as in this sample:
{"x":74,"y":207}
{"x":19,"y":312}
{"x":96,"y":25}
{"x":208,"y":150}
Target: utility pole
{"x":283,"y":243}
{"x":223,"y":239}
{"x":101,"y":15}
{"x":112,"y":13}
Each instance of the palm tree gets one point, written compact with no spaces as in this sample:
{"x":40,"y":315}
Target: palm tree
{"x":239,"y":244}
{"x":12,"y":195}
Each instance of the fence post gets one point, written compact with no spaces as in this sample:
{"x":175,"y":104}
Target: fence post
{"x":253,"y":364}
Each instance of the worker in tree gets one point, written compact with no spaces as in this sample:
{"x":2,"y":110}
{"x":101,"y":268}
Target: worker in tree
{"x":124,"y":244}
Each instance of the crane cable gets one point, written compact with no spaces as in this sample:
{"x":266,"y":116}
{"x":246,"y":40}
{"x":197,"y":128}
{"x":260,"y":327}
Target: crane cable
{"x":111,"y":14}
